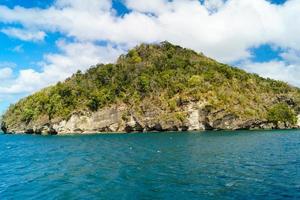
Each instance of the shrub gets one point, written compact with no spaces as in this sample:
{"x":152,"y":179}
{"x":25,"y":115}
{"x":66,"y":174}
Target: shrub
{"x":93,"y":104}
{"x":135,"y":58}
{"x":282,"y":113}
{"x":27,"y":115}
{"x":144,"y":82}
{"x":195,"y":80}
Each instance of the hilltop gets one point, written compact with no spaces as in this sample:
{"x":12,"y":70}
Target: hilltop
{"x":157,"y":87}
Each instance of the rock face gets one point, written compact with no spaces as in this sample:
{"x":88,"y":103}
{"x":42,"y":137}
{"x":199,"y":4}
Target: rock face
{"x":120,"y":119}
{"x":107,"y":120}
{"x":195,"y":121}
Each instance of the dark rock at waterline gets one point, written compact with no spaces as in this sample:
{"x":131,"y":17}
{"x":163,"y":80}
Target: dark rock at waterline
{"x":3,"y":127}
{"x":29,"y":131}
{"x":52,"y":131}
{"x":45,"y":130}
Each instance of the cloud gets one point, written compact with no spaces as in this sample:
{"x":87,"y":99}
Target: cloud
{"x":154,"y":6}
{"x":279,"y":70}
{"x":214,"y":5}
{"x":18,"y":49}
{"x":285,"y":68}
{"x":291,"y":56}
{"x":7,"y":64}
{"x":25,"y":35}
{"x":92,"y":5}
{"x":56,"y":67}
{"x":226,"y":34}
{"x":224,"y":30}
{"x":5,"y":73}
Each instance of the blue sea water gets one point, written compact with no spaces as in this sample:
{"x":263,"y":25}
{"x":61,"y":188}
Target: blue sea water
{"x":209,"y":165}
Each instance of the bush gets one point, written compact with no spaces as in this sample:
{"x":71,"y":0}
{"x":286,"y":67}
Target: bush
{"x":93,"y":104}
{"x":282,"y":113}
{"x":27,"y":115}
{"x":144,"y":83}
{"x":195,"y":80}
{"x":135,"y":58}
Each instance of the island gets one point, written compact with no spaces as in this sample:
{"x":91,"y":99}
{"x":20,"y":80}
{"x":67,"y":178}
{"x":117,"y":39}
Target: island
{"x":157,"y":87}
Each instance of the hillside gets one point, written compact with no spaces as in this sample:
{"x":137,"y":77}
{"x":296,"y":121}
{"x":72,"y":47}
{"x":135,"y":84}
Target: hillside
{"x":157,"y":87}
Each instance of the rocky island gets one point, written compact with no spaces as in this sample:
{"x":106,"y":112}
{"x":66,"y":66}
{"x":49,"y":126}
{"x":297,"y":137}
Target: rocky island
{"x":157,"y":87}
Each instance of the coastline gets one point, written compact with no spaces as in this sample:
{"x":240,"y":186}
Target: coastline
{"x":149,"y":132}
{"x":119,"y":120}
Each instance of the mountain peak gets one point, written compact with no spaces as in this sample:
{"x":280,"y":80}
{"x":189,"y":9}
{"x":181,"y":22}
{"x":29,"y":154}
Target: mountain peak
{"x":149,"y":52}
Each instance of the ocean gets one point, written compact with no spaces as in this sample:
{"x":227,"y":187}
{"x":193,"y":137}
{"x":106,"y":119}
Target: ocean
{"x":187,"y":165}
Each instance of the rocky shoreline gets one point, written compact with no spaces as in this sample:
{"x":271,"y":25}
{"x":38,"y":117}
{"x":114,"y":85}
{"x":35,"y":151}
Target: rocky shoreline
{"x":121,"y":119}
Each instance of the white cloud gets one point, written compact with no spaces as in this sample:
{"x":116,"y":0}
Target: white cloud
{"x":26,"y":35}
{"x":153,"y":6}
{"x":292,"y":56}
{"x":5,"y":73}
{"x":56,"y":67}
{"x":225,"y":34}
{"x":276,"y":70}
{"x":214,"y":5}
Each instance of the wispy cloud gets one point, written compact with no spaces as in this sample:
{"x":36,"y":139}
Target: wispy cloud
{"x":7,"y":64}
{"x":5,"y":73}
{"x":18,"y":49}
{"x":25,"y":35}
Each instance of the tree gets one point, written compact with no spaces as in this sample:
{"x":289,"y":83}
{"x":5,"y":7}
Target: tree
{"x":195,"y":80}
{"x":144,"y":82}
{"x":27,"y":115}
{"x":134,"y":55}
{"x":282,"y":113}
{"x":93,"y":103}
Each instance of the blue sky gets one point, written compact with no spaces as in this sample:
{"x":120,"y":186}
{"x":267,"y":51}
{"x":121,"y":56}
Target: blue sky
{"x":45,"y":41}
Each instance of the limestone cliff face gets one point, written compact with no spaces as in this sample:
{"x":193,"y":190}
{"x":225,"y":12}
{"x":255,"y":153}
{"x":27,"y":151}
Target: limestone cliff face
{"x":121,"y":119}
{"x":107,"y":120}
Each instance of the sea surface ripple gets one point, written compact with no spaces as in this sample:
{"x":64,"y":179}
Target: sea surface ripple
{"x":208,"y":165}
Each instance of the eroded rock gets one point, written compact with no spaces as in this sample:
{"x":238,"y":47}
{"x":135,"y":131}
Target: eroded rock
{"x":197,"y":116}
{"x":227,"y":122}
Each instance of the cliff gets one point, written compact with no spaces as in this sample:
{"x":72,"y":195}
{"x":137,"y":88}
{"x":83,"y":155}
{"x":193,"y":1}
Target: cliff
{"x":157,"y":87}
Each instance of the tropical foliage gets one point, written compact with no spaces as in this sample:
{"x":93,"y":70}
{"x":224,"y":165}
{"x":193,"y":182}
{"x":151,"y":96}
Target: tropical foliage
{"x":282,"y":113}
{"x":165,"y":75}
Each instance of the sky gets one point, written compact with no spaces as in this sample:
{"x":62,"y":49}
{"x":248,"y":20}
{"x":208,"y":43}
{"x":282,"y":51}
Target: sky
{"x":45,"y":41}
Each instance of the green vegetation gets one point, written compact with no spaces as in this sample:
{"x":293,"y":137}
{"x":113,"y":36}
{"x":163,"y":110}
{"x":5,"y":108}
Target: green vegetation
{"x":282,"y":113}
{"x":164,"y":76}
